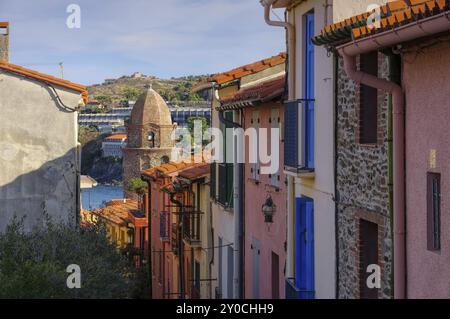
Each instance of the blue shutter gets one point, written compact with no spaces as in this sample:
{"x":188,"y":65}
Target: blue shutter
{"x":304,"y":247}
{"x":291,"y":111}
{"x":309,"y":93}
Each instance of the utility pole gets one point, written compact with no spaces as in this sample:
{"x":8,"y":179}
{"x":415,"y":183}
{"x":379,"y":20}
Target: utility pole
{"x":61,"y":67}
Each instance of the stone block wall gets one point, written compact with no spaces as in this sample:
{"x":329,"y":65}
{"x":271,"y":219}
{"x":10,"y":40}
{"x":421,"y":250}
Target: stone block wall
{"x":362,"y":185}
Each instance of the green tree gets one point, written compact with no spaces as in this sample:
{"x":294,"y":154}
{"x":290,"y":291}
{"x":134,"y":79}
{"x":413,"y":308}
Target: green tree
{"x":138,"y":186}
{"x":131,"y":93}
{"x":104,"y":99}
{"x":34,"y":264}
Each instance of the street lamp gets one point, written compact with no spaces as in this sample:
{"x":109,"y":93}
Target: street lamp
{"x":268,"y":210}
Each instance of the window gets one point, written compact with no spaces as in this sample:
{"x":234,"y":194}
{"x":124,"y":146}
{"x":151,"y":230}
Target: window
{"x":160,"y":270}
{"x":255,"y":167}
{"x":213,"y":178}
{"x":368,"y":113}
{"x":368,"y":254}
{"x":225,"y":180}
{"x":434,"y":211}
{"x":197,"y":275}
{"x":230,"y":272}
{"x":275,"y":276}
{"x":220,"y":260}
{"x":275,"y":122}
{"x":164,"y":226}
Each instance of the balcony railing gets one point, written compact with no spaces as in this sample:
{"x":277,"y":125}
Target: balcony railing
{"x":293,"y":292}
{"x":192,"y":228}
{"x":299,"y":136}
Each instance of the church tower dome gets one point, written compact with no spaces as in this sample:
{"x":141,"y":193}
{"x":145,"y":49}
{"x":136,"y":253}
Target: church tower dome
{"x":150,"y":108}
{"x":149,"y":136}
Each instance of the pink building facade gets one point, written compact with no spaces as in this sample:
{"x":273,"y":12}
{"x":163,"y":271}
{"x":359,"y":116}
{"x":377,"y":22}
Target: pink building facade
{"x":427,"y":88}
{"x":264,"y":240}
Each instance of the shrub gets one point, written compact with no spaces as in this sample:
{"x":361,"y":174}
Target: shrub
{"x":33,"y":264}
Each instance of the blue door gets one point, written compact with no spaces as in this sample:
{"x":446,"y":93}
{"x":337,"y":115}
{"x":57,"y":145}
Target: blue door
{"x":309,"y":91}
{"x":304,"y":247}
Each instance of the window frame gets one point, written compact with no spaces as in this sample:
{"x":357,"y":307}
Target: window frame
{"x":434,"y":204}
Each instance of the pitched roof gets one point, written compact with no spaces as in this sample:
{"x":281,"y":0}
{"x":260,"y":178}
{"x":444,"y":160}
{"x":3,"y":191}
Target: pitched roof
{"x":116,"y":137}
{"x":261,"y":92}
{"x":249,"y":69}
{"x":393,"y":15}
{"x":175,"y":167}
{"x":121,"y":211}
{"x":45,"y":78}
{"x":196,"y":172}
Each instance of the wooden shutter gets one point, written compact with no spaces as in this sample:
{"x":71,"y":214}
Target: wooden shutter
{"x":212,"y":184}
{"x":275,"y":123}
{"x":255,"y":167}
{"x":291,"y":111}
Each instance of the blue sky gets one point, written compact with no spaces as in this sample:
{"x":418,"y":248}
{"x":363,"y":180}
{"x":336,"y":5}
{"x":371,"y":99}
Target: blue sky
{"x":164,"y":38}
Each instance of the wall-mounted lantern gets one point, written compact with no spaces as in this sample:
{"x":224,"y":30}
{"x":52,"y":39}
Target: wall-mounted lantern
{"x":268,"y":210}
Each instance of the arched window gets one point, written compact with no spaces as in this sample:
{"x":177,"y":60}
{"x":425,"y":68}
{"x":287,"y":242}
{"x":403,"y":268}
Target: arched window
{"x":151,"y":139}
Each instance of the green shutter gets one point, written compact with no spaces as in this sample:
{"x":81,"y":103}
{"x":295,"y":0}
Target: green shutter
{"x":212,"y":184}
{"x":229,"y":189}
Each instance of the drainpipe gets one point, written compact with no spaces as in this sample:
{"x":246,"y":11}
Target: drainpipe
{"x":412,"y":31}
{"x":398,"y":118}
{"x":238,"y":205}
{"x":290,"y":30}
{"x":290,"y":38}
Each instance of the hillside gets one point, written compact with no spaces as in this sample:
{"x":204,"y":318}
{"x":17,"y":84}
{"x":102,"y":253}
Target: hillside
{"x":170,"y":89}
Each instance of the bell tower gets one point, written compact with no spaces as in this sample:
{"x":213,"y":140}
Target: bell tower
{"x":149,"y":136}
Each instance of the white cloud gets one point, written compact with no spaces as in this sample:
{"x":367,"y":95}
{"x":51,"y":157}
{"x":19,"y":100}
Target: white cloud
{"x":163,"y":37}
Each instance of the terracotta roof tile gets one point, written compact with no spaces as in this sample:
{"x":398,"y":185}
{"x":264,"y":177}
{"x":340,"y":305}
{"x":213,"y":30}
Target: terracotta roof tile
{"x":45,"y":78}
{"x":393,"y":15}
{"x":260,"y":92}
{"x":116,"y":137}
{"x":196,"y":172}
{"x":121,"y":212}
{"x":175,"y":167}
{"x":249,"y":69}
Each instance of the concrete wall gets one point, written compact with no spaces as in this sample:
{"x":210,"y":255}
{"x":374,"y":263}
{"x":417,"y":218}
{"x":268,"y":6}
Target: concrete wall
{"x":38,"y":152}
{"x":425,"y":79}
{"x":321,"y":186}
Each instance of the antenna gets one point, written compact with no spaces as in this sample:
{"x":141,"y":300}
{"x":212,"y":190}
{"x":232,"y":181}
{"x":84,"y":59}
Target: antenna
{"x":61,"y":67}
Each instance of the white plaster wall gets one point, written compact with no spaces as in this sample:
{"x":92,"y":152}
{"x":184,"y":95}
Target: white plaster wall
{"x":223,"y":224}
{"x":321,"y":188}
{"x":38,"y":155}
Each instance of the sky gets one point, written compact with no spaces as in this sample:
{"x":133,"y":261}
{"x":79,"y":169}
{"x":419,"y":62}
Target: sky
{"x":165,"y":38}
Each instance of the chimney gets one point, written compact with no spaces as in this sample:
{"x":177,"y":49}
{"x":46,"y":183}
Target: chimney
{"x":4,"y":41}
